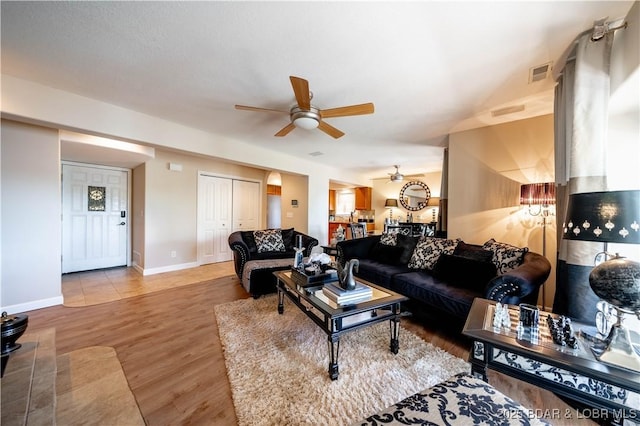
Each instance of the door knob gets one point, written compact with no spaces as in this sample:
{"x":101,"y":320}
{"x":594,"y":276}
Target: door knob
{"x":122,"y":224}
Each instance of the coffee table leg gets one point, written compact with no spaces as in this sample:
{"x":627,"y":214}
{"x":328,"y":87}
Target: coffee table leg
{"x":280,"y":300}
{"x":394,"y":329}
{"x":334,"y":350}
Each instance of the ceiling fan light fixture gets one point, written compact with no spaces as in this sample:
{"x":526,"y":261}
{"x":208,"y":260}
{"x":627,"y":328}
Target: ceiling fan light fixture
{"x":397,"y":176}
{"x":305,"y":119}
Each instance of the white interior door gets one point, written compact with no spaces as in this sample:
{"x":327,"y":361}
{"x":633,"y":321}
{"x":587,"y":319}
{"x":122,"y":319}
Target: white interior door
{"x":246,"y":205}
{"x":94,"y":217}
{"x":214,"y":219}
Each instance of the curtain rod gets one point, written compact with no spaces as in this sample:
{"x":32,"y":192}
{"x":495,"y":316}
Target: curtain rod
{"x":602,"y":29}
{"x":569,"y":53}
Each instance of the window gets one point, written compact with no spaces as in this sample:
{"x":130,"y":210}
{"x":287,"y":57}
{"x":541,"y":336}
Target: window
{"x":345,"y":202}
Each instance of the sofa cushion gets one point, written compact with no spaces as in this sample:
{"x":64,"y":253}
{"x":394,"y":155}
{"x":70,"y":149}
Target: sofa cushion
{"x":505,"y":256}
{"x":473,"y":251}
{"x":379,"y":273}
{"x":428,"y":250}
{"x":464,"y":272}
{"x":269,"y":240}
{"x":423,"y":287}
{"x":388,"y":254}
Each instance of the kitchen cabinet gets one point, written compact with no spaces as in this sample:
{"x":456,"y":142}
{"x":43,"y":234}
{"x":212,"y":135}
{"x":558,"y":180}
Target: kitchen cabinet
{"x":363,"y":198}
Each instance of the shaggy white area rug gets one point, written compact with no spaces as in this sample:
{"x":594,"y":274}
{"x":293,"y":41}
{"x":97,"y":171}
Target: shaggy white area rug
{"x":277,"y":366}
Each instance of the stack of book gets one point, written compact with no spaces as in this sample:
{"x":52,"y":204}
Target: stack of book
{"x":347,"y":297}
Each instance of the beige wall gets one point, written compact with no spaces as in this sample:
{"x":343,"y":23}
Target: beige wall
{"x":383,"y":189}
{"x":169,"y":211}
{"x":136,"y":215}
{"x":31,"y":211}
{"x":486,"y":168}
{"x":295,"y":188}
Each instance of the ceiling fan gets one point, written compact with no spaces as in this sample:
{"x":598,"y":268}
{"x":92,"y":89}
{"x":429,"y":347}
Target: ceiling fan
{"x":397,"y":176}
{"x":307,"y":116}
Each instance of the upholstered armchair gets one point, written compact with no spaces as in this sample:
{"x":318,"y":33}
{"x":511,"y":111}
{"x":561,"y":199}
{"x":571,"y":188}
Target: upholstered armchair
{"x":257,"y":254}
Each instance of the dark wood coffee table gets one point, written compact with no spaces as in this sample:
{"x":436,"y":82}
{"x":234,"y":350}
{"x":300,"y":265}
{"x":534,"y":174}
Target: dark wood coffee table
{"x":607,"y":391}
{"x":336,"y":320}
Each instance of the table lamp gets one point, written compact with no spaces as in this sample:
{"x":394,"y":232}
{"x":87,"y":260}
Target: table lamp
{"x":611,"y":217}
{"x":434,"y":203}
{"x":390,"y":203}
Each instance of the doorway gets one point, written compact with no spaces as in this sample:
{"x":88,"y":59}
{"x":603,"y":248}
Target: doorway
{"x":95,"y":217}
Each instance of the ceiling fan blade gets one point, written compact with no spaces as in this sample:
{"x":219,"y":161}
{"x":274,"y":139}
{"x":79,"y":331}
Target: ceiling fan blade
{"x":330,"y":130}
{"x":347,"y":110}
{"x":286,"y":130}
{"x":250,"y":108}
{"x":301,"y":90}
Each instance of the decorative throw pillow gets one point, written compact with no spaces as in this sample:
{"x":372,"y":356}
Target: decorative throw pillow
{"x":386,"y":254}
{"x":247,"y":237}
{"x":464,"y":272}
{"x":288,"y":239}
{"x":505,"y":256}
{"x":269,"y":240}
{"x":473,"y":251}
{"x":408,"y":243}
{"x":389,"y":239}
{"x":428,"y":250}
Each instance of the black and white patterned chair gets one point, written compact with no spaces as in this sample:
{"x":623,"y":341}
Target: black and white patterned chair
{"x":461,"y":400}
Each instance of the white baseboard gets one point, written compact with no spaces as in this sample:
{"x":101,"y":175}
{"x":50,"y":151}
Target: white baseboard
{"x":35,"y":304}
{"x":170,"y":268}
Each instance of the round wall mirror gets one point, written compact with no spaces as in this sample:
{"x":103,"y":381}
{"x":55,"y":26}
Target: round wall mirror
{"x":414,"y":195}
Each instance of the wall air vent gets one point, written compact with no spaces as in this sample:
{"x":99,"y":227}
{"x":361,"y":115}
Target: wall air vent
{"x":507,"y":110}
{"x":539,"y":73}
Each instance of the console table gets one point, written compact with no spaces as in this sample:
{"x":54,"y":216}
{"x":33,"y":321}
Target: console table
{"x":609,"y":392}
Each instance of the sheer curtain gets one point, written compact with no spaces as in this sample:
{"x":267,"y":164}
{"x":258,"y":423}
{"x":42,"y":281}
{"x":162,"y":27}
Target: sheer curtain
{"x":581,"y":120}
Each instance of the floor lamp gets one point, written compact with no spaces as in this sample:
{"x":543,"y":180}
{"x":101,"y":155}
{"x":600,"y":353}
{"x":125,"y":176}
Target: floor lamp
{"x":539,"y":197}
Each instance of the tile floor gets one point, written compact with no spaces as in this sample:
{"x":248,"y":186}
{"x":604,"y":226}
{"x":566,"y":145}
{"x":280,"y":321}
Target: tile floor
{"x":106,"y":285}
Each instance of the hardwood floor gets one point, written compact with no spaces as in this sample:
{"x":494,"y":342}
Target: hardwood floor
{"x":168,"y":344}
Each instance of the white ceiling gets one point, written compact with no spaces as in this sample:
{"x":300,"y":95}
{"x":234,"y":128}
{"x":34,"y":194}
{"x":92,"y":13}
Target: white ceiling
{"x":430,"y":68}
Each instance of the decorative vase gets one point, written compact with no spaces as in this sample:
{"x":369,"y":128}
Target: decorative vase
{"x":345,"y":275}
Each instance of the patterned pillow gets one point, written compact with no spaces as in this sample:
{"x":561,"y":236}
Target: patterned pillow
{"x":389,"y":239}
{"x":505,"y":256}
{"x":269,"y":240}
{"x":428,"y":250}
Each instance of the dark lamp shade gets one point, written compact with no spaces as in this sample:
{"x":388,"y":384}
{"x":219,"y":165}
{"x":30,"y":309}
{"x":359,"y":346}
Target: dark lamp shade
{"x":538,"y":194}
{"x":391,"y":202}
{"x":608,"y":217}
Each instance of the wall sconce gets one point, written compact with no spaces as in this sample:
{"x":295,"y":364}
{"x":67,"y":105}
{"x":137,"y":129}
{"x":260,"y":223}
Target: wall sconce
{"x":390,"y":203}
{"x":610,"y":217}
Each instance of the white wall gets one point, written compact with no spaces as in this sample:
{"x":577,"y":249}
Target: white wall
{"x":31,"y":226}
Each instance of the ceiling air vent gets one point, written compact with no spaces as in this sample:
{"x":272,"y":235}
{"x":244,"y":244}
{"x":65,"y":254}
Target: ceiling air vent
{"x":539,"y":73}
{"x":507,"y":110}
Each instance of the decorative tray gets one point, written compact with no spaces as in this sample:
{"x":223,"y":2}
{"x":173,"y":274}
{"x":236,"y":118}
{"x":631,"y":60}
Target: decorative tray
{"x":307,"y":279}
